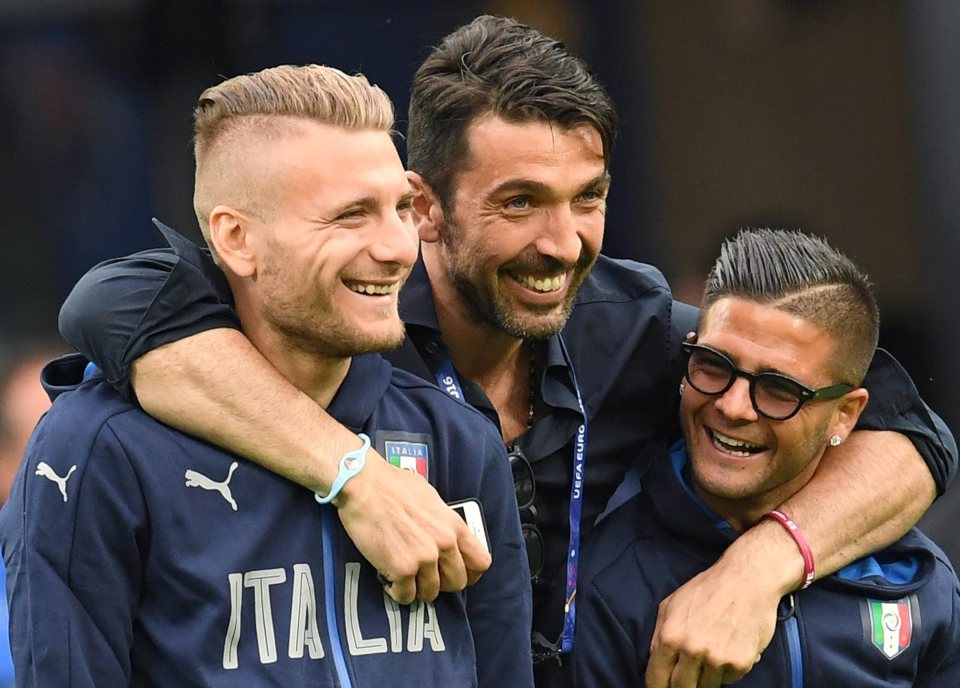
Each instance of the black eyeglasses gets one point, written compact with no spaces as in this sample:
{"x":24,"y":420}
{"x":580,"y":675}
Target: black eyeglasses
{"x":773,"y":395}
{"x":526,"y":488}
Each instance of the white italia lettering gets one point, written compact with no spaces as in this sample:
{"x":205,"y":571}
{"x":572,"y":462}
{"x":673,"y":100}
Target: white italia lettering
{"x":357,"y":644}
{"x":304,"y":629}
{"x":261,"y":581}
{"x":235,"y":582}
{"x":395,"y":622}
{"x":420,"y":627}
{"x":303,"y":615}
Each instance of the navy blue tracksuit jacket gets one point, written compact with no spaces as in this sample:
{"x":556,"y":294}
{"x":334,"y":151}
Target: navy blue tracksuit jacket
{"x":139,"y":556}
{"x":891,"y":619}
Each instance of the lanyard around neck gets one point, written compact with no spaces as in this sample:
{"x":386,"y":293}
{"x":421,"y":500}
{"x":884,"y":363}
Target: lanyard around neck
{"x":576,"y":508}
{"x":448,"y":381}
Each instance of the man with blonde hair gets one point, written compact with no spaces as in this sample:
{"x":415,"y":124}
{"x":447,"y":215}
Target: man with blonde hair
{"x":138,"y":555}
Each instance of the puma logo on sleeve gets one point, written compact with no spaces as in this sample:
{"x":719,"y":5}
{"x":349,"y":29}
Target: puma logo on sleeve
{"x":44,"y":469}
{"x":195,"y":479}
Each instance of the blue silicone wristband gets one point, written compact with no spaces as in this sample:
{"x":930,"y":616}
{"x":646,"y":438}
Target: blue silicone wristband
{"x":351,"y":464}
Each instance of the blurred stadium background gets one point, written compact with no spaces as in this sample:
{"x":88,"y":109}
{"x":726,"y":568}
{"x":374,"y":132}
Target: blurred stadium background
{"x":836,"y":116}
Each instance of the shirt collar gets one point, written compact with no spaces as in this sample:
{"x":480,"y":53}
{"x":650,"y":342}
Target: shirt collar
{"x":200,"y":258}
{"x":361,"y":391}
{"x":416,"y":299}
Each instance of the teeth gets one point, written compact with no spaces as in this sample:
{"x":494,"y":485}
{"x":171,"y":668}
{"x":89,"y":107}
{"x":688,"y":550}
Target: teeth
{"x":378,"y":289}
{"x":543,"y":284}
{"x":726,"y":443}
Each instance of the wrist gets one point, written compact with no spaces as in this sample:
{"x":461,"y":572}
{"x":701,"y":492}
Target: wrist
{"x":800,"y":540}
{"x":349,"y":466}
{"x":767,"y":556}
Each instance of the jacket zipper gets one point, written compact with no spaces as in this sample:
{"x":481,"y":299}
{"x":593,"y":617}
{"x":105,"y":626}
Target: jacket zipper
{"x":329,"y":598}
{"x":791,"y":628}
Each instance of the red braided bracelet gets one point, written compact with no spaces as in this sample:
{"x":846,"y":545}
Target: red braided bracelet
{"x":809,"y":572}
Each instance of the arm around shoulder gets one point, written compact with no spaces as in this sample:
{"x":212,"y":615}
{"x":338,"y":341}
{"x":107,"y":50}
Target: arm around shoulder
{"x":895,"y":405}
{"x":126,"y":307}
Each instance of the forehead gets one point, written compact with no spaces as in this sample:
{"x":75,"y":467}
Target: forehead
{"x":760,"y":337}
{"x":535,"y":150}
{"x":326,"y":163}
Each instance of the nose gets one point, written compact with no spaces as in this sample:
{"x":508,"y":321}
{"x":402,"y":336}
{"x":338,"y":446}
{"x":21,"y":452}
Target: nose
{"x":560,"y":237}
{"x":735,"y":403}
{"x":396,"y":240}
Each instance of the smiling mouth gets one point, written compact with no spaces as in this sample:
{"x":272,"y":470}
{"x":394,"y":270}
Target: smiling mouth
{"x":543,"y":285}
{"x":733,"y":446}
{"x":370,"y":289}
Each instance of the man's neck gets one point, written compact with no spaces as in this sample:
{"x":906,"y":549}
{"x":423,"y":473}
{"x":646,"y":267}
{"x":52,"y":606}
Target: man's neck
{"x":743,"y":512}
{"x":496,"y":361}
{"x":314,"y":374}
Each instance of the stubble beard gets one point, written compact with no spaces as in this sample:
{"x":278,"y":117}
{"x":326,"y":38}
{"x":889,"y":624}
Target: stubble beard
{"x":487,"y":303}
{"x":319,"y":329}
{"x":725,"y":485}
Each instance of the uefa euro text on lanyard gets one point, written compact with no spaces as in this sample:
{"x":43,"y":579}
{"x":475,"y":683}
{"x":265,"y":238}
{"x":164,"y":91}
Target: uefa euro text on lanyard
{"x":449,"y":382}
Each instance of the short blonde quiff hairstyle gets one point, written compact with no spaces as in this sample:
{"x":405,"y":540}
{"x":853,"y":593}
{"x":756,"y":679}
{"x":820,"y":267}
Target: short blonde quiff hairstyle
{"x":268,"y":102}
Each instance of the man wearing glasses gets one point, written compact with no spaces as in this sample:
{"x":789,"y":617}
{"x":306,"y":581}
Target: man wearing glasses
{"x":772,"y":380}
{"x":574,"y":356}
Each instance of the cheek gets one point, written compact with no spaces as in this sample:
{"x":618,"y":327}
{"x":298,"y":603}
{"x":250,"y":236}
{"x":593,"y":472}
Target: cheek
{"x":591,"y":233}
{"x":689,"y":405}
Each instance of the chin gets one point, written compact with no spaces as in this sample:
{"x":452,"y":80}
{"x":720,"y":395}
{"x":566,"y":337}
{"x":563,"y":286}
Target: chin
{"x":385,"y":340}
{"x":522,"y":324}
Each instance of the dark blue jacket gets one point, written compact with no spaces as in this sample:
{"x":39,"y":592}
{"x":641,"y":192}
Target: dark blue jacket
{"x":138,"y":555}
{"x":623,"y":339}
{"x":892,"y":619}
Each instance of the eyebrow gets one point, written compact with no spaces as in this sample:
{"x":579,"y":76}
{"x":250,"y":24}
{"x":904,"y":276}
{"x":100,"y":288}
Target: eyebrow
{"x":368,"y":203}
{"x":759,"y":371}
{"x":530,"y":186}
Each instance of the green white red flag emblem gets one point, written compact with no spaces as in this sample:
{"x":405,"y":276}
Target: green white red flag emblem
{"x":891,"y":625}
{"x":408,"y":456}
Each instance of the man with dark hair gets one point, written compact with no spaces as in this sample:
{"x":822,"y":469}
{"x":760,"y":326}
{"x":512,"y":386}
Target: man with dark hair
{"x":140,"y":556}
{"x":787,"y":329}
{"x":512,"y":309}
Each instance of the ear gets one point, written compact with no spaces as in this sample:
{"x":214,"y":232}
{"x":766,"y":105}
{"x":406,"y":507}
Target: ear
{"x":427,"y":211}
{"x":233,"y":240}
{"x":848,"y":411}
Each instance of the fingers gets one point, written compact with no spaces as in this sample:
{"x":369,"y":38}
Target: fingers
{"x":732,"y":675}
{"x":476,"y":559}
{"x":680,"y":670}
{"x":403,"y":590}
{"x":662,"y":657}
{"x":710,"y":677}
{"x":452,"y":570}
{"x":428,"y":582}
{"x":686,"y":672}
{"x":660,"y":669}
{"x":419,"y":544}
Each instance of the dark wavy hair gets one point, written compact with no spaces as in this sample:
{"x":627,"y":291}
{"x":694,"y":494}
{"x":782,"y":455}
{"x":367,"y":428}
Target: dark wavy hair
{"x":497,"y":65}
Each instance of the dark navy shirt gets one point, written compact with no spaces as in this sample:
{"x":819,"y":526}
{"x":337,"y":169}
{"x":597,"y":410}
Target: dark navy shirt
{"x":137,"y":555}
{"x":623,"y":338}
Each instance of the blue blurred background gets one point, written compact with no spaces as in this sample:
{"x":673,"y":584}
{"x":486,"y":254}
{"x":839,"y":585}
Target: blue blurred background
{"x":839,"y":117}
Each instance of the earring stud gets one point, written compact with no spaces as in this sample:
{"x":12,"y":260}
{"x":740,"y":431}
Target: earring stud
{"x":835,"y":440}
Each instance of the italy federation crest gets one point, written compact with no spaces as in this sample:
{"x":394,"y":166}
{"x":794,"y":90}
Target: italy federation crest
{"x":408,"y":456}
{"x":891,"y":624}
